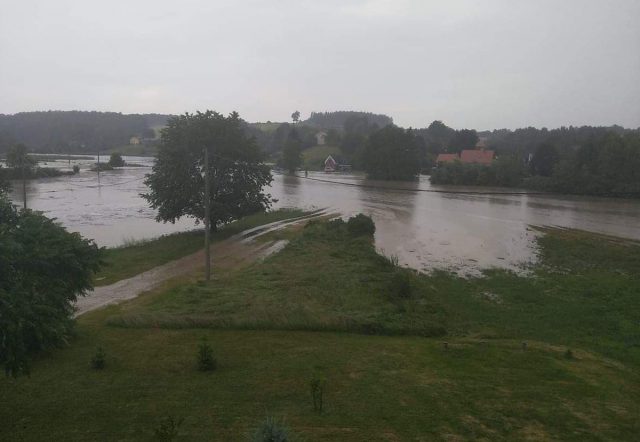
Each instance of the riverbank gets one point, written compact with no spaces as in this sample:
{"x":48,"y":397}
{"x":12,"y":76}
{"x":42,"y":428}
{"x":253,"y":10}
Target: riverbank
{"x":510,"y":173}
{"x":9,"y":174}
{"x":551,"y":356}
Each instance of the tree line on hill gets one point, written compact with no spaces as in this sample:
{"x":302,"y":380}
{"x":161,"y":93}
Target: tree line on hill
{"x":592,"y":160}
{"x":75,"y":131}
{"x":338,"y":119}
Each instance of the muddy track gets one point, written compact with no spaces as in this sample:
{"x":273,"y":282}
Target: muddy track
{"x":232,"y":253}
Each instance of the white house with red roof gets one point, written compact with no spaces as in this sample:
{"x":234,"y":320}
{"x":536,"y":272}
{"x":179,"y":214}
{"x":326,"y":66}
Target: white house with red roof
{"x":330,"y":165}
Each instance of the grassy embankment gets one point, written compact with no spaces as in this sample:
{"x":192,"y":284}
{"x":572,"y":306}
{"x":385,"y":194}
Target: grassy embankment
{"x":313,"y":158}
{"x":484,"y":385}
{"x":137,"y":257}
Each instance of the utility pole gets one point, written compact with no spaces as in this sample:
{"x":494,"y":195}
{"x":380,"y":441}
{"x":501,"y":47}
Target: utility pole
{"x":207,"y":219}
{"x":24,"y":186}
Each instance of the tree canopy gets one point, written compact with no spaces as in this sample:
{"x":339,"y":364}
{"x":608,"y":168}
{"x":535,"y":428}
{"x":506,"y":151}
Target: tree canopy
{"x":544,"y":159}
{"x":75,"y":131}
{"x":238,"y":174}
{"x":43,"y":269}
{"x":115,"y":160}
{"x":338,"y":119}
{"x":291,"y":154}
{"x":18,"y":158}
{"x":392,"y":153}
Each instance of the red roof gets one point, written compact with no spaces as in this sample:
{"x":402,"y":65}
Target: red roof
{"x":477,"y":156}
{"x":447,"y":157}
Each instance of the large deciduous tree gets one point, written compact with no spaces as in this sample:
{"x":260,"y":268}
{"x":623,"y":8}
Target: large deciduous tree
{"x":18,"y":158}
{"x":392,"y":153}
{"x":292,"y":151}
{"x":43,"y":269}
{"x":237,"y":172}
{"x":544,"y":159}
{"x":463,"y":139}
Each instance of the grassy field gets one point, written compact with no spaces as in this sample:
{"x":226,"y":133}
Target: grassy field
{"x":329,"y":304}
{"x":313,"y":158}
{"x":267,"y":127}
{"x":132,"y":259}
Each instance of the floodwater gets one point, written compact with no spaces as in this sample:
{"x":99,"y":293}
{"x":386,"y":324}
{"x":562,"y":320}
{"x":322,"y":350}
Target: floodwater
{"x":462,"y":232}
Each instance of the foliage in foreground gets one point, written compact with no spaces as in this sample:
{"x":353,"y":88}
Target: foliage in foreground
{"x":482,"y":385}
{"x":43,"y":269}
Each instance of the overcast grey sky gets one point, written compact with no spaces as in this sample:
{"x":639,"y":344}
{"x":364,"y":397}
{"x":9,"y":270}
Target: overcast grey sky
{"x":478,"y":64}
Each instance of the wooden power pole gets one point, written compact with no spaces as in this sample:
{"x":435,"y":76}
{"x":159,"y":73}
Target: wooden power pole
{"x":207,"y":219}
{"x":24,"y":186}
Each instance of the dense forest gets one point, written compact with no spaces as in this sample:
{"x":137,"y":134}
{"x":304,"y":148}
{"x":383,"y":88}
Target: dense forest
{"x":338,"y":119}
{"x":75,"y":131}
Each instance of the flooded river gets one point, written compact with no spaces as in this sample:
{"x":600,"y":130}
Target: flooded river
{"x":424,"y":229}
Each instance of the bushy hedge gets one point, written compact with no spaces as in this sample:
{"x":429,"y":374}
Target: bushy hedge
{"x":361,"y":225}
{"x":43,"y":269}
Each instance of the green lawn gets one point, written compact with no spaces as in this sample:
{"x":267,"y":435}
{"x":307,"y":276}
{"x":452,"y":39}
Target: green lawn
{"x":585,"y":293}
{"x":313,"y":158}
{"x":327,"y":304}
{"x":130,"y":260}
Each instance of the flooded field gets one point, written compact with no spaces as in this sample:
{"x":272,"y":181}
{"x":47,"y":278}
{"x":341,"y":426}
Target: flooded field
{"x":421,"y":225}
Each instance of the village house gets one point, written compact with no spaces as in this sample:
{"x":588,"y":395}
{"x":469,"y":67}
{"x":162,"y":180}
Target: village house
{"x":134,"y":140}
{"x":321,"y":138}
{"x":336,"y":165}
{"x":330,"y":165}
{"x":479,"y":155}
{"x":447,"y":158}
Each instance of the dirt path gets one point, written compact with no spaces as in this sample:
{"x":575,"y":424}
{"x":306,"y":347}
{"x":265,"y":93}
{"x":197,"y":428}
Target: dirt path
{"x":237,"y":251}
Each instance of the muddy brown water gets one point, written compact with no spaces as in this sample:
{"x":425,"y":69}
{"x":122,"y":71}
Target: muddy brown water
{"x":455,"y":231}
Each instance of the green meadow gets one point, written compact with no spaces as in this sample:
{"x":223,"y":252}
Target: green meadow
{"x":554,"y":355}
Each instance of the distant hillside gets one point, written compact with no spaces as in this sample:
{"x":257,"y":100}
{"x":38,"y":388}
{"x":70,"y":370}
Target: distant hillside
{"x":76,"y":131}
{"x":337,"y":119}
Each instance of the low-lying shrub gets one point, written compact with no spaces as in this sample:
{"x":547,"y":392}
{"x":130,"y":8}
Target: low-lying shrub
{"x":167,"y":429}
{"x":206,"y":360}
{"x":400,"y":284}
{"x":271,"y":430}
{"x":317,"y":384}
{"x":99,"y":359}
{"x":361,"y":225}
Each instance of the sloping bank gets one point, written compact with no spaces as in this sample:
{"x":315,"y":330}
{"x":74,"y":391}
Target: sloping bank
{"x":554,"y":356}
